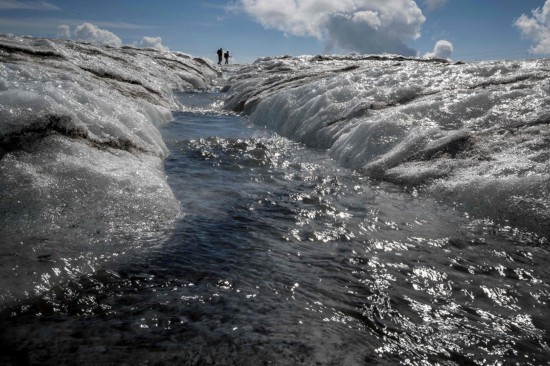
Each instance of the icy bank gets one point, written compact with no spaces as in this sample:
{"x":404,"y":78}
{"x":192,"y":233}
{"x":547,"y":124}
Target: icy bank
{"x":81,"y":159}
{"x":474,"y":134}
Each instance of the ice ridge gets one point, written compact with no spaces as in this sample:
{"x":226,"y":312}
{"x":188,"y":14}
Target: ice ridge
{"x":471,"y":134}
{"x":81,"y":156}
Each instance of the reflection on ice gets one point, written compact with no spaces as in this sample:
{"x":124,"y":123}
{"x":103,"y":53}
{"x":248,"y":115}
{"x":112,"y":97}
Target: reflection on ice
{"x":281,"y":254}
{"x":81,"y":158}
{"x":285,"y":257}
{"x":475,"y":134}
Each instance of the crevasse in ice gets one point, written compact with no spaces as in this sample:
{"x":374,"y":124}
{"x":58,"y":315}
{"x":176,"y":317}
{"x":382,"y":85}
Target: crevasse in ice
{"x":472,"y":134}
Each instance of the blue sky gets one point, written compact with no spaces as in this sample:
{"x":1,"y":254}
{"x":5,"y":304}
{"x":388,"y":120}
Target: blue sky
{"x":473,"y":29}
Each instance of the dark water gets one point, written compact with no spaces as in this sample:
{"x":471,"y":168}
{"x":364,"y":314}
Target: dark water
{"x":283,"y":258}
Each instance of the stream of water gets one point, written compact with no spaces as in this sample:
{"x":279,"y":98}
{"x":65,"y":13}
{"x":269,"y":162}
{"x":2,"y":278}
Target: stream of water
{"x":283,"y":257}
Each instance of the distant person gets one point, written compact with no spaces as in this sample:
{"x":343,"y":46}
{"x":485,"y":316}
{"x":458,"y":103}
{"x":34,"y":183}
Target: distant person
{"x":226,"y":56}
{"x":220,"y":53}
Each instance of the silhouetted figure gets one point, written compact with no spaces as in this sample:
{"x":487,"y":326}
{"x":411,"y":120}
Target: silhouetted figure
{"x":226,"y":56}
{"x":220,"y":53}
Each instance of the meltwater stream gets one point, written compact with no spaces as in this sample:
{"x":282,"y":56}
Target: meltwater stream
{"x":283,"y":257}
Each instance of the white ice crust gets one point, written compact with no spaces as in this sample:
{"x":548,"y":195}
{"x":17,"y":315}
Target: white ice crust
{"x":472,"y":134}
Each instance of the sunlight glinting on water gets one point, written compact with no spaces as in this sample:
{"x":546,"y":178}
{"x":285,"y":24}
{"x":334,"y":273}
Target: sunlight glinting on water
{"x":255,"y":248}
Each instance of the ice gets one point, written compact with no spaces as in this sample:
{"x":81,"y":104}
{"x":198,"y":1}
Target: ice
{"x":81,"y":157}
{"x":472,"y":134}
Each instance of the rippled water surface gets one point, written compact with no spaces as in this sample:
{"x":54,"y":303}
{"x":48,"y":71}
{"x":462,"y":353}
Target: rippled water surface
{"x":282,"y":257}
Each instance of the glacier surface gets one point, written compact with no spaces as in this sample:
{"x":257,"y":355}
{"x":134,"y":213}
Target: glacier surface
{"x":472,"y":134}
{"x":81,"y":157}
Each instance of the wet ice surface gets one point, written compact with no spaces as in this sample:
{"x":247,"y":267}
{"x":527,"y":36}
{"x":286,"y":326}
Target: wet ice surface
{"x":284,"y":257}
{"x":81,"y":157}
{"x":456,"y":132}
{"x":400,"y":219}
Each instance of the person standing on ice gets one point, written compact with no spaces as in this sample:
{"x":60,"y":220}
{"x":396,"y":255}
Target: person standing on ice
{"x":226,"y":56}
{"x":220,"y":53}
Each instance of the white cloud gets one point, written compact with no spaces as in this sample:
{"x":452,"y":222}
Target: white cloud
{"x":153,"y":42}
{"x":537,"y":28}
{"x":434,"y":4}
{"x":368,"y":17}
{"x":88,"y":32}
{"x":369,"y":26}
{"x":64,"y":31}
{"x":26,"y":5}
{"x":442,"y":49}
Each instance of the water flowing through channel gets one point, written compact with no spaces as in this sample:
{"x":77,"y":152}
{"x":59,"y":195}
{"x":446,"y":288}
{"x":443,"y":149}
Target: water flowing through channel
{"x":281,"y":256}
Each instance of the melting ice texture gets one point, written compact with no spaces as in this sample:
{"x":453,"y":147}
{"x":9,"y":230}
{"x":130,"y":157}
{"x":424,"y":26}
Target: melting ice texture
{"x":472,"y":134}
{"x":81,"y":159}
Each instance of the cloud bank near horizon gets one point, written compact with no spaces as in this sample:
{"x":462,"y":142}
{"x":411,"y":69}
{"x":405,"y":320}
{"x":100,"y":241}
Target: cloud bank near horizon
{"x":153,"y":42}
{"x":442,"y":49}
{"x":88,"y":32}
{"x":366,"y":26}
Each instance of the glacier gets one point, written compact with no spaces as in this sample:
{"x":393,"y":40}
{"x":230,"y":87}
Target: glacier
{"x":82,"y":160}
{"x":473,"y":135}
{"x":349,"y":209}
{"x":81,"y":157}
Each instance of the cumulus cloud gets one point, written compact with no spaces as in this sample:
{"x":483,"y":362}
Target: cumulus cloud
{"x":368,"y":26}
{"x":87,"y":32}
{"x":64,"y":31}
{"x":153,"y":42}
{"x":537,"y":28}
{"x":26,"y":5}
{"x":442,"y":49}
